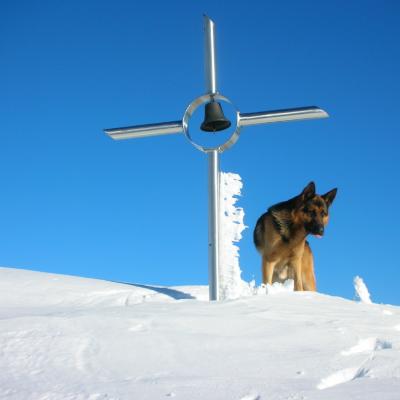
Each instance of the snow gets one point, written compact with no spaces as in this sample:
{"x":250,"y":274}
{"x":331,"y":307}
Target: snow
{"x":71,"y":338}
{"x":231,"y":285}
{"x":361,"y":290}
{"x":287,"y":286}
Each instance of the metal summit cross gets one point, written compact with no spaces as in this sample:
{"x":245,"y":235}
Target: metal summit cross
{"x":214,"y":121}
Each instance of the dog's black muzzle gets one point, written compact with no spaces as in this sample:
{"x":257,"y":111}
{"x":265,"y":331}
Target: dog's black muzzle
{"x":315,"y":229}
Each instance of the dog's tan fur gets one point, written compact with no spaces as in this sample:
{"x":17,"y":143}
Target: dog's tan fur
{"x":280,"y":237}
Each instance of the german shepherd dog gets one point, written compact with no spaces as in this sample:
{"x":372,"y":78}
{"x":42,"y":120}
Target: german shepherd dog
{"x":280,"y":237}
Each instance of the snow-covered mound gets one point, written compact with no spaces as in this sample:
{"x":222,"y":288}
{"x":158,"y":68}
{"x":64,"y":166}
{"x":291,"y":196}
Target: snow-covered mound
{"x":79,"y":339}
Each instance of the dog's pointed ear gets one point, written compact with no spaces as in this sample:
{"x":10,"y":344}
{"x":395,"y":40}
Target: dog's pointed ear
{"x":329,"y":197}
{"x":308,"y":192}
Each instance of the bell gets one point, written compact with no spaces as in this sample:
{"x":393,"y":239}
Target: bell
{"x":214,"y":118}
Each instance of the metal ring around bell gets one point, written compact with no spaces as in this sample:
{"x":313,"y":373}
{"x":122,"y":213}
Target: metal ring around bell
{"x":193,"y":107}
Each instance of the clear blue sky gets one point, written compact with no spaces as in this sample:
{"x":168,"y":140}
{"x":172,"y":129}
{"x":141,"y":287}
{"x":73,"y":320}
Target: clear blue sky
{"x":73,"y":201}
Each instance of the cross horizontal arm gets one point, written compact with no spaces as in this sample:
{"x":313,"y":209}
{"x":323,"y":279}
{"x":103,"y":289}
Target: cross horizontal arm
{"x":139,"y":131}
{"x":291,"y":114}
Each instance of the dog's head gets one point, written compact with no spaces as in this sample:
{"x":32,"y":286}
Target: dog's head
{"x":313,"y":209}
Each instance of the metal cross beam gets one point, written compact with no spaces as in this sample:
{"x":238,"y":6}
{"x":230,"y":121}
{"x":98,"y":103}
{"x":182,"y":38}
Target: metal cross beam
{"x":242,"y":120}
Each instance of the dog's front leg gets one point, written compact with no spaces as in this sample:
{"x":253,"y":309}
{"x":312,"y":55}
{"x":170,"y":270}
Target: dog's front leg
{"x":267,"y":270}
{"x":298,"y":281}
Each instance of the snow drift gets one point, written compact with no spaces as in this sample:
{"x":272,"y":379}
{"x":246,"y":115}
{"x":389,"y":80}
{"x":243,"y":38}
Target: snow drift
{"x":68,"y":338}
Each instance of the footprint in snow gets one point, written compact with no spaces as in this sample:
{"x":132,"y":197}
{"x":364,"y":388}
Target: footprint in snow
{"x":136,"y":328}
{"x":99,"y":396}
{"x":368,"y":345}
{"x":342,"y":376}
{"x":86,"y":349}
{"x":251,"y":396}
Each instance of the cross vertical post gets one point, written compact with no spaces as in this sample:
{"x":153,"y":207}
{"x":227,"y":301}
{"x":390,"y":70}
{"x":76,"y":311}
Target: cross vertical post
{"x":213,"y":223}
{"x":210,"y":69}
{"x":210,"y":56}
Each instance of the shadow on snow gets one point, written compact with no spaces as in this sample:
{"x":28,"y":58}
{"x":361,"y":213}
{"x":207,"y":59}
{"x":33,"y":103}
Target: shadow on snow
{"x":175,"y":294}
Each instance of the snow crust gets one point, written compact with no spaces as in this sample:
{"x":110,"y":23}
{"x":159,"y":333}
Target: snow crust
{"x":69,"y":338}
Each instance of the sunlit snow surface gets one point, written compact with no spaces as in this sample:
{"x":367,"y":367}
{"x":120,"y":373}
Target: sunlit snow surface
{"x":71,"y":338}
